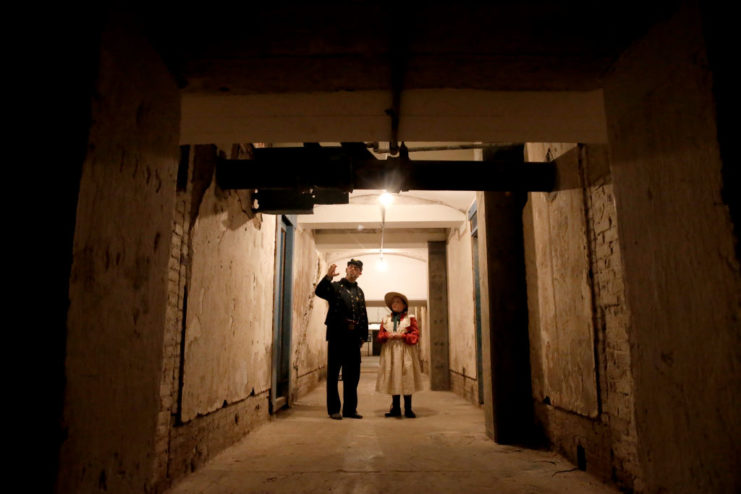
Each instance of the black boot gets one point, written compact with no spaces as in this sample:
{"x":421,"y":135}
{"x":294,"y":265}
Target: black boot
{"x":408,"y":413}
{"x":395,"y":407}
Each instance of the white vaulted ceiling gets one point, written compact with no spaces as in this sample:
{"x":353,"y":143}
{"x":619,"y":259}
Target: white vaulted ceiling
{"x":407,"y":224}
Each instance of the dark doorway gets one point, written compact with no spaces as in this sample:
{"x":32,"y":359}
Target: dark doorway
{"x":282,"y":311}
{"x":472,"y":218}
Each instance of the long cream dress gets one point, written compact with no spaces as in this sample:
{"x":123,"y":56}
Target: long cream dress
{"x":399,"y":371}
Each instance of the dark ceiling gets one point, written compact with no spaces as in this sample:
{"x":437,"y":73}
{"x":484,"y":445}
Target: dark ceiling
{"x":366,"y":45}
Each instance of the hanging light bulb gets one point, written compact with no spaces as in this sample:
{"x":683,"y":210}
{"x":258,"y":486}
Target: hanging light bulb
{"x":381,"y":264}
{"x":386,"y":199}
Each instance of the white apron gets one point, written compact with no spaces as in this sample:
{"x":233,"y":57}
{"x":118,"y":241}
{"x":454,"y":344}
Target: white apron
{"x":399,"y":372}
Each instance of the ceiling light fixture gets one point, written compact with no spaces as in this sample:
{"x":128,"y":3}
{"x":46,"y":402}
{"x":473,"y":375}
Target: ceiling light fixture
{"x":381,"y":265}
{"x":385,"y":199}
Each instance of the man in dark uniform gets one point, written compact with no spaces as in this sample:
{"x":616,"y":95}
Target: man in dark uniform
{"x":347,"y":330}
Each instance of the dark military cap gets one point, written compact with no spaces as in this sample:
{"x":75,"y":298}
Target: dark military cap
{"x":356,"y":262}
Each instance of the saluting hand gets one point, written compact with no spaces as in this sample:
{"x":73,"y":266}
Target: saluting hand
{"x":332,"y":271}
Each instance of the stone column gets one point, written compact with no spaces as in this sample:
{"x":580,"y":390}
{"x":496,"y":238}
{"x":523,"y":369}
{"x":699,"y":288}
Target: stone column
{"x":437,"y":301}
{"x":504,"y":328}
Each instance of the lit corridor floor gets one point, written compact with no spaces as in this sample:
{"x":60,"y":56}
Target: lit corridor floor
{"x":443,"y":450}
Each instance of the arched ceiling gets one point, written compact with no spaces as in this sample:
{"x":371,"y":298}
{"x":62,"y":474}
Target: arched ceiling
{"x":409,"y":209}
{"x":407,"y":224}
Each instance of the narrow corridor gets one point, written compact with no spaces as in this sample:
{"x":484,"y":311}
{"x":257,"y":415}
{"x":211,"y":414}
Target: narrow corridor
{"x":601,"y":308}
{"x":444,"y":450}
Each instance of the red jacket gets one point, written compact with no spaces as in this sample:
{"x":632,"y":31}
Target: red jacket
{"x":410,"y":332}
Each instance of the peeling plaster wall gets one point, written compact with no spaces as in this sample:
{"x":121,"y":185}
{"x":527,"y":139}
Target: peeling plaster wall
{"x":572,"y":344}
{"x":185,"y":445}
{"x":118,"y":283}
{"x":462,"y":314}
{"x":223,"y":252}
{"x":229,"y":325}
{"x":309,"y":347}
{"x":682,"y":277}
{"x":564,"y":296}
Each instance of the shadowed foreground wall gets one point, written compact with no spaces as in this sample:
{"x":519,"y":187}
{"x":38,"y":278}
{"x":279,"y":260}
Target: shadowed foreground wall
{"x":170,"y":320}
{"x":118,"y":285}
{"x":681,"y":272}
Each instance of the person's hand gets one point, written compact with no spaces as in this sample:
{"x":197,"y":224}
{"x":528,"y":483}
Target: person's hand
{"x":332,"y":271}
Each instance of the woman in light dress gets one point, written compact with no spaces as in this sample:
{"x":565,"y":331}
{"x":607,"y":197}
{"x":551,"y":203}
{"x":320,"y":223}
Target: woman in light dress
{"x":399,"y":371}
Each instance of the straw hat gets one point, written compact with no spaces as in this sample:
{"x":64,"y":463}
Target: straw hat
{"x":390,"y":296}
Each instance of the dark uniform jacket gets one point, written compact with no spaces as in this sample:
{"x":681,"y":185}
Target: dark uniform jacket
{"x":347,"y":314}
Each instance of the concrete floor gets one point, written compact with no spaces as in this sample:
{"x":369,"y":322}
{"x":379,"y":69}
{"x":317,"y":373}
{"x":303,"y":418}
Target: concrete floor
{"x":444,"y":450}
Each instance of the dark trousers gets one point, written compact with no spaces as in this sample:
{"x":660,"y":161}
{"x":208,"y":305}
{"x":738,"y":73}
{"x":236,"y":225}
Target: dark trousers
{"x":343,"y":354}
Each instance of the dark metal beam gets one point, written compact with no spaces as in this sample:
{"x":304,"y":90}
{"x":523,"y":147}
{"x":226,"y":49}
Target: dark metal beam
{"x":343,"y":169}
{"x":294,"y":179}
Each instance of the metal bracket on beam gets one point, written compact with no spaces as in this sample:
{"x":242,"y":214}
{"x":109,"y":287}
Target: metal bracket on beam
{"x":273,"y":201}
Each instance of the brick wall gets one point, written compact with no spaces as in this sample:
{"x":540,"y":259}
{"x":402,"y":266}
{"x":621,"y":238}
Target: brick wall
{"x":177,"y":275}
{"x":602,"y":441}
{"x":464,"y":386}
{"x":612,"y":322}
{"x":194,"y":443}
{"x":308,"y":381}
